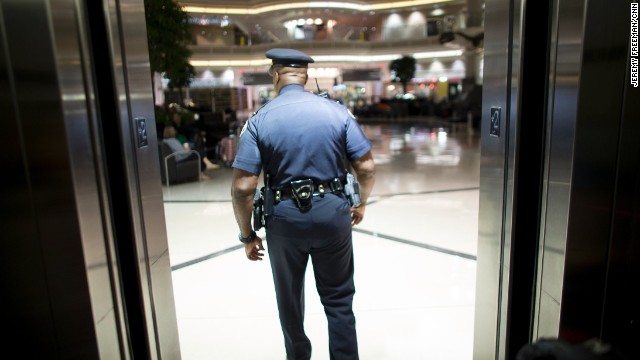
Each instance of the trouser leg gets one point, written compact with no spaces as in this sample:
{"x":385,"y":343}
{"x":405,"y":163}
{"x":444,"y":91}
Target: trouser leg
{"x":333,"y":269}
{"x":288,"y":265}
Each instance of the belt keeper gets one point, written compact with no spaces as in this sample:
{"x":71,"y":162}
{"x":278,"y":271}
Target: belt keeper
{"x":278,"y":193}
{"x":321,"y":190}
{"x":336,"y":185}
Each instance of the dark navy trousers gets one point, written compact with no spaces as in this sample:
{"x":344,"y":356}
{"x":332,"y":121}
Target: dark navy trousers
{"x":324,"y":234}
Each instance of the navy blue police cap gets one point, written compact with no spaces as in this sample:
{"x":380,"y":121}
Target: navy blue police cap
{"x":289,"y":57}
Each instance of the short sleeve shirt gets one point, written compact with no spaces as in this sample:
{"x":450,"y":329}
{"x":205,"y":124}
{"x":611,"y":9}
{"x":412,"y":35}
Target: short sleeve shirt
{"x":299,"y":135}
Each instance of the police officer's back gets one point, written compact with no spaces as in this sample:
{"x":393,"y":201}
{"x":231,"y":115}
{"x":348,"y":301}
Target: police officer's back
{"x":304,"y":144}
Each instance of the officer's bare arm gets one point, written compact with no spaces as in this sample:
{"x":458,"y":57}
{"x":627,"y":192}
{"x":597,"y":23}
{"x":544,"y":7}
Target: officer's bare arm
{"x":365,"y":170}
{"x":242,"y":191}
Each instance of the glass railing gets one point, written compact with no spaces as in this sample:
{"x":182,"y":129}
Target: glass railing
{"x":215,"y":36}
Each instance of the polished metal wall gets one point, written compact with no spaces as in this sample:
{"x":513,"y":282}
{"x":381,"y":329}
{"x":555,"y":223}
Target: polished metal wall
{"x":54,"y":282}
{"x":501,"y":74}
{"x":589,"y":89}
{"x":567,"y":47}
{"x":586,"y":242}
{"x":75,"y":82}
{"x":126,"y":20}
{"x":620,"y":325}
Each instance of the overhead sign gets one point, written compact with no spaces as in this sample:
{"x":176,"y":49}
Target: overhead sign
{"x":257,"y":78}
{"x":361,"y":75}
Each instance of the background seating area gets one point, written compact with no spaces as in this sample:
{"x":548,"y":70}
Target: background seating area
{"x":174,"y":172}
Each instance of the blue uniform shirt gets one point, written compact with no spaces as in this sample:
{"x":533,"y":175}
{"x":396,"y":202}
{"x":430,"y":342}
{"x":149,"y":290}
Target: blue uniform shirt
{"x":300,"y":135}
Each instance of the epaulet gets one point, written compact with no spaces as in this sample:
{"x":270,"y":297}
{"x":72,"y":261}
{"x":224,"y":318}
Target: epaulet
{"x":255,"y":112}
{"x":350,"y":113}
{"x":338,"y":103}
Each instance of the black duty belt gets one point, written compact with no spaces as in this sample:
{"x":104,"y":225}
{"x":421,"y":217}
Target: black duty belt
{"x":319,"y":189}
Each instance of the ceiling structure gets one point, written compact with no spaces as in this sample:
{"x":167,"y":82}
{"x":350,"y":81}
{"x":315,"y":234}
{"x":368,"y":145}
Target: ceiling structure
{"x":253,"y":16}
{"x":266,"y":16}
{"x":248,"y":13}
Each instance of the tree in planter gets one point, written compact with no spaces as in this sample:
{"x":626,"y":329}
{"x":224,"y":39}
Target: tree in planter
{"x":403,"y":70}
{"x":168,"y":34}
{"x":180,"y":75}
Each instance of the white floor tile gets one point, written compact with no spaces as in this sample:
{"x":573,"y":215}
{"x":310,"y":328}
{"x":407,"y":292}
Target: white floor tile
{"x":411,"y":302}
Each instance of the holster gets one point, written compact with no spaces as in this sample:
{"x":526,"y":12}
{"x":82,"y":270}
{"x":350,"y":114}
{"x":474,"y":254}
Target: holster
{"x":269,"y":201}
{"x":352,"y":190}
{"x":258,"y":210}
{"x":302,"y":191}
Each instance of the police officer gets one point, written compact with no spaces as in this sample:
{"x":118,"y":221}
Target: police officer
{"x":304,"y":143}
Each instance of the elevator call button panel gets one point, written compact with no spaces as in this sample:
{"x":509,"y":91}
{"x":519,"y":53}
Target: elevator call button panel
{"x":494,"y":129}
{"x":141,"y":132}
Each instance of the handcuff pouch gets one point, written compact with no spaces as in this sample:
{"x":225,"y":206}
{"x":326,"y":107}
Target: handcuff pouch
{"x":302,"y":192}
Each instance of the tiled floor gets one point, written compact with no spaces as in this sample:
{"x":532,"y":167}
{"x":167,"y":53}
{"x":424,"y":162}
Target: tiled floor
{"x":414,"y":259}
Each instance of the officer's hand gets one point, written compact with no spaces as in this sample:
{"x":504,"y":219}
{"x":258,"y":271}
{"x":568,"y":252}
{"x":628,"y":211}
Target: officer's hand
{"x":253,"y":249}
{"x":357,"y":214}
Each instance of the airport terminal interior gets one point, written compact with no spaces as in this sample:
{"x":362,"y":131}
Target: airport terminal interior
{"x":415,"y":258}
{"x":504,"y":212}
{"x":415,"y":252}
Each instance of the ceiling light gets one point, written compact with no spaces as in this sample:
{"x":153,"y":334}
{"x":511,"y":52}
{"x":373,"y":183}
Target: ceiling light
{"x":254,"y":10}
{"x":437,"y":12}
{"x":330,"y":58}
{"x":437,"y":54}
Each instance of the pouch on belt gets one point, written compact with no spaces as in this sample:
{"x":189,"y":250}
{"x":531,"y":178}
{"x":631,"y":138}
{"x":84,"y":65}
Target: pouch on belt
{"x":302,"y":191}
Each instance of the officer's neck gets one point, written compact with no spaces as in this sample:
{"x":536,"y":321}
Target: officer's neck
{"x":290,"y":87}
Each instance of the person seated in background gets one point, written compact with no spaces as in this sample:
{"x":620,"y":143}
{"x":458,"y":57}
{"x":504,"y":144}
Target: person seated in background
{"x":183,"y":132}
{"x":169,"y":138}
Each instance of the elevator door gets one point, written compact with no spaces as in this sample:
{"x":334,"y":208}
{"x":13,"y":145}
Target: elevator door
{"x":84,"y":246}
{"x":559,"y":179}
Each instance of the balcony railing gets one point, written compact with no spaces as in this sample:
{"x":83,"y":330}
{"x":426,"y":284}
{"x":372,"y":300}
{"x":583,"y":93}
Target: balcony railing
{"x":211,"y":41}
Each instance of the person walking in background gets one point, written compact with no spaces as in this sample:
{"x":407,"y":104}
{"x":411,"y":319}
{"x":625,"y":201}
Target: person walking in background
{"x":304,"y":144}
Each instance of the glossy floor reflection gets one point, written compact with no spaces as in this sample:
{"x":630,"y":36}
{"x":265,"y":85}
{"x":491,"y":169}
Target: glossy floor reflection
{"x":414,"y":259}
